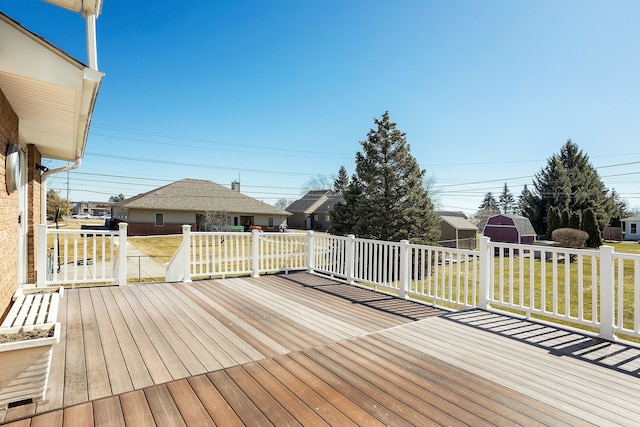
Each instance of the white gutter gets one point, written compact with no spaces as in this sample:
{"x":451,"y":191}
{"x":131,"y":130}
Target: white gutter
{"x":43,"y":186}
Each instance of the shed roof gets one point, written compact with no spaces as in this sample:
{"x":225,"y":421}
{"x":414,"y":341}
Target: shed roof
{"x":458,"y":214}
{"x":631,"y":219}
{"x":521,"y":223}
{"x":200,"y":196}
{"x":458,"y":222}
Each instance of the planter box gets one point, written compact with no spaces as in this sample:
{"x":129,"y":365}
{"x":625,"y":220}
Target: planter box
{"x":25,"y":364}
{"x":32,"y":290}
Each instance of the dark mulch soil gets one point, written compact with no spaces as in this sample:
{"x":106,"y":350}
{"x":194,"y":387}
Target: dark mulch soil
{"x":26,"y":335}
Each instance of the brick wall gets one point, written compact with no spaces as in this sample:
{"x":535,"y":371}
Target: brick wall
{"x":146,"y":229}
{"x":8,"y":210}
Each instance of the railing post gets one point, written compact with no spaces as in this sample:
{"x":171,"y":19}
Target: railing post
{"x":485,"y":261}
{"x":606,"y":293}
{"x":122,"y":254}
{"x":255,"y":251}
{"x":404,"y":268}
{"x":41,"y":275}
{"x":350,"y":258}
{"x":311,"y":251}
{"x":186,"y":251}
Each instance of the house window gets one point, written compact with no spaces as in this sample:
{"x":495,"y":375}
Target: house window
{"x":159,"y":220}
{"x":270,"y":222}
{"x":634,"y":228}
{"x":315,"y":217}
{"x":327,"y":218}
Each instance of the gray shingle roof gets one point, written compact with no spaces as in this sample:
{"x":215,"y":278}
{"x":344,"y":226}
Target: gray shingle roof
{"x":522,"y":224}
{"x":458,"y":223}
{"x":200,"y":196}
{"x":310,"y":202}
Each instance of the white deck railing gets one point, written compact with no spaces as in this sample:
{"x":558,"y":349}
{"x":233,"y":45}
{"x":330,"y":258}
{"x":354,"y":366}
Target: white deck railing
{"x":596,"y":289}
{"x":71,"y":257}
{"x":593,"y":289}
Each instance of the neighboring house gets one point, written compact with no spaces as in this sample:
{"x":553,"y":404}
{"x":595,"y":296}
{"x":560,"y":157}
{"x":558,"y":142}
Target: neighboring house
{"x":631,"y":228}
{"x":312,"y":211}
{"x":189,"y":201}
{"x":509,"y":228}
{"x":457,"y":232}
{"x":46,"y":104}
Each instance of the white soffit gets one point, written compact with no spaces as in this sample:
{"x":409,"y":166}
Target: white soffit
{"x":52,"y":93}
{"x":91,"y":7}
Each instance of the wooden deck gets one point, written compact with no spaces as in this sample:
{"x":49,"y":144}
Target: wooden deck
{"x":300,"y":349}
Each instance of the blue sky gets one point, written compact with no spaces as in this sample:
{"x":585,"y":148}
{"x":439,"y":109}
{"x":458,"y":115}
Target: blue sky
{"x":277,"y":92}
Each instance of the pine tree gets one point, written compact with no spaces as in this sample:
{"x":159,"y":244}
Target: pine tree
{"x":526,"y":204}
{"x":568,"y":181}
{"x":489,"y":204}
{"x":386,"y":199}
{"x":506,"y":201}
{"x":342,"y":181}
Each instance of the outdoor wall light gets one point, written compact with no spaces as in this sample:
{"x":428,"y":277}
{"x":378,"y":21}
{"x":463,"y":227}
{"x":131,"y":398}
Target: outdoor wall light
{"x":41,"y":168}
{"x":12,"y":167}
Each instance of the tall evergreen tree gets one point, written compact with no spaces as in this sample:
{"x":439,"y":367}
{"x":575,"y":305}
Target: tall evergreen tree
{"x":386,"y":199}
{"x":342,"y":181}
{"x":568,"y":181}
{"x":506,"y":201}
{"x":526,"y":204}
{"x":489,"y":204}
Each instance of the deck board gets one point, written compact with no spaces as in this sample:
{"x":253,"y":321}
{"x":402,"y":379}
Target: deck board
{"x":98,"y":384}
{"x":135,"y":367}
{"x":300,"y":349}
{"x":75,"y":375}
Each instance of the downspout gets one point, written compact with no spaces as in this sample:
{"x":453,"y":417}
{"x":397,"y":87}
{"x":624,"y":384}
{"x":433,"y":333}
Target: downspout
{"x":43,"y":186}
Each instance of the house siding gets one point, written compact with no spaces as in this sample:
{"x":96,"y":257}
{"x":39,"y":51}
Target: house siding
{"x":627,"y":227}
{"x":8,"y":210}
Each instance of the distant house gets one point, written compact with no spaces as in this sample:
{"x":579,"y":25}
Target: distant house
{"x":188,"y":201}
{"x":510,"y":229}
{"x":311,"y":212}
{"x":631,"y":228}
{"x":457,"y":232}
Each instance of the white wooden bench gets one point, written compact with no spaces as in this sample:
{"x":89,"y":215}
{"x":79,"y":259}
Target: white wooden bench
{"x":31,"y":308}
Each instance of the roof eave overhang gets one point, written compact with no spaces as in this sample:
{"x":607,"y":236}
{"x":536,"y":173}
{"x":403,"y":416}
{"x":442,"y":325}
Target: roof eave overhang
{"x":86,"y":7}
{"x":53,"y":94}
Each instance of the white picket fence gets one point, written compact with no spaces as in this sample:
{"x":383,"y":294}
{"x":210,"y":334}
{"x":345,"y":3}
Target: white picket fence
{"x":594,"y":289}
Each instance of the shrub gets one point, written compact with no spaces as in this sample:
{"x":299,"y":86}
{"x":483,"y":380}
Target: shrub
{"x":590,"y":225}
{"x":570,"y":237}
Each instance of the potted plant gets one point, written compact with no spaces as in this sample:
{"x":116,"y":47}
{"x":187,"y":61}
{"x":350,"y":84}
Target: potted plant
{"x":25,"y":361}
